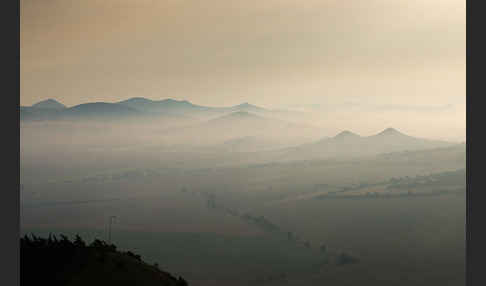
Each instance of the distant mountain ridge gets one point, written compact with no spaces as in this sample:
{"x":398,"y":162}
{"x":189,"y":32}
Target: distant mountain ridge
{"x":184,"y":106}
{"x":390,"y":132}
{"x":242,"y":124}
{"x":219,"y":124}
{"x":345,"y":135}
{"x":164,"y":105}
{"x":51,"y":109}
{"x":49,"y":104}
{"x":100,"y":109}
{"x":349,"y":144}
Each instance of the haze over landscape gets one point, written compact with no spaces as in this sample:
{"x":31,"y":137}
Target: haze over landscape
{"x":242,"y":185}
{"x":250,"y":142}
{"x":398,"y":63}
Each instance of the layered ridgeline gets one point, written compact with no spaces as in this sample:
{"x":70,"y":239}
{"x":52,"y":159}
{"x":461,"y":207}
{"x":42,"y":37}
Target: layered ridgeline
{"x":181,"y":125}
{"x":44,"y":110}
{"x":51,"y":109}
{"x":349,"y":144}
{"x":60,"y":261}
{"x":173,"y":122}
{"x":245,"y":130}
{"x":171,"y":106}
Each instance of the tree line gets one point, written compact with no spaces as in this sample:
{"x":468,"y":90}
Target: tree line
{"x":55,"y":260}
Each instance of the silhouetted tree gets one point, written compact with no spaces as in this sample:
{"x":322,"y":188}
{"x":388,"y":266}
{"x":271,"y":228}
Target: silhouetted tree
{"x":45,"y":261}
{"x":78,"y":241}
{"x":181,"y":282}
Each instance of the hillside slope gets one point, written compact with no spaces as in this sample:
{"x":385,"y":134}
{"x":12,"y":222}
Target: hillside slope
{"x":63,"y":262}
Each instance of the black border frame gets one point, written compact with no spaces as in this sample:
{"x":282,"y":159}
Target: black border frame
{"x":10,"y":216}
{"x":474,"y":64}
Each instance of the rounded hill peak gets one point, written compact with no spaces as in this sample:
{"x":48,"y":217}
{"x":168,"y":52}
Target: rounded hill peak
{"x":389,"y":131}
{"x":346,"y":134}
{"x":138,"y":99}
{"x":49,"y":104}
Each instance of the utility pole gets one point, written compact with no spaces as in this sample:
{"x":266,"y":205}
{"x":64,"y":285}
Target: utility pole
{"x":112,"y":218}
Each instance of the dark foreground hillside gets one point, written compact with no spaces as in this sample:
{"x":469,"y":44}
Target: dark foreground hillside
{"x":59,"y":261}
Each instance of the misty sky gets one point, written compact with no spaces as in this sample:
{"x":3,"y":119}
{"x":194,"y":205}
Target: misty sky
{"x":357,"y":64}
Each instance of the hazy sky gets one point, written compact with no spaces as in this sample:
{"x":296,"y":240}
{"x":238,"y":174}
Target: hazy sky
{"x":393,"y":59}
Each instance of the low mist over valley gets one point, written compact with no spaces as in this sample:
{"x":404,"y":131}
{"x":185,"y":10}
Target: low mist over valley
{"x":245,"y":195}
